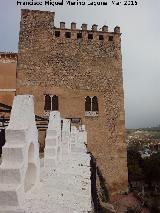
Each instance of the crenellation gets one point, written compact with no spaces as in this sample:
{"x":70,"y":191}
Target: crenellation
{"x":84,"y":26}
{"x":84,"y":35}
{"x":117,"y":29}
{"x":62,"y":25}
{"x":105,"y":28}
{"x":94,"y":27}
{"x":8,"y":57}
{"x":73,"y":26}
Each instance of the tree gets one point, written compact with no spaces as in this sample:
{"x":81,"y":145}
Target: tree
{"x":134,"y":165}
{"x":151,"y":168}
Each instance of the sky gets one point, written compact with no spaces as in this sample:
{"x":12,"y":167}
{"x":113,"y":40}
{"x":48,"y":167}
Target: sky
{"x":140,"y":47}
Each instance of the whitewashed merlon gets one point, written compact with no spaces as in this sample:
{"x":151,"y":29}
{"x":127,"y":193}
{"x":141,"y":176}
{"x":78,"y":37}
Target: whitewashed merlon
{"x":19,"y":170}
{"x":66,"y":139}
{"x":53,"y":148}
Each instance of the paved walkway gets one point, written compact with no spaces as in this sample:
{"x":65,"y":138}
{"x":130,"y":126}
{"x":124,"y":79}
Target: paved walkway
{"x":64,"y":190}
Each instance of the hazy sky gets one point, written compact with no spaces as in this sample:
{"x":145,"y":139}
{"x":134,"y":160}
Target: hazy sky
{"x":140,"y":27}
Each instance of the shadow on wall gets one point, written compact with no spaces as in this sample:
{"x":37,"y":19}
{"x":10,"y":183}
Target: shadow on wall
{"x":31,"y":172}
{"x":98,"y":187}
{"x":2,"y":139}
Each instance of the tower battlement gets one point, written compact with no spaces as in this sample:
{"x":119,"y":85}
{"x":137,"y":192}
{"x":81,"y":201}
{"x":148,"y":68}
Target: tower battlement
{"x":34,"y":19}
{"x":94,"y":28}
{"x":85,"y":34}
{"x":8,"y":57}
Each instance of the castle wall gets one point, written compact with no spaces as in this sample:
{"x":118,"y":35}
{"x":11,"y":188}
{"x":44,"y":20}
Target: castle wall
{"x":73,"y":68}
{"x":8,"y":63}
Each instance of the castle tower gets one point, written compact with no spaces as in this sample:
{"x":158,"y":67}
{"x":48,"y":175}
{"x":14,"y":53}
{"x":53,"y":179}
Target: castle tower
{"x":79,"y":73}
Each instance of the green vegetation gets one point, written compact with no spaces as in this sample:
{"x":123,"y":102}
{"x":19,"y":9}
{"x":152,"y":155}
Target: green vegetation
{"x":135,"y":170}
{"x":151,"y":168}
{"x":144,"y":174}
{"x":146,"y":170}
{"x":154,"y":134}
{"x":143,"y":169}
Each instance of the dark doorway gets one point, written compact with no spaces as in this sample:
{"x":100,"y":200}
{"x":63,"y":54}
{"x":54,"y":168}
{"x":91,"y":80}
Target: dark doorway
{"x":2,"y":139}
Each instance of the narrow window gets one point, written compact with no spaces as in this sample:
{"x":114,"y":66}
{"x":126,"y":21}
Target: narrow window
{"x":101,"y":37}
{"x":90,"y":36}
{"x":94,"y":104}
{"x":79,"y":35}
{"x":47,"y":105}
{"x":54,"y":103}
{"x":67,"y":34}
{"x":57,"y":33}
{"x":110,"y":38}
{"x":88,"y":104}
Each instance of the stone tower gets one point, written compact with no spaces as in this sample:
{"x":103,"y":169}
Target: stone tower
{"x":83,"y":69}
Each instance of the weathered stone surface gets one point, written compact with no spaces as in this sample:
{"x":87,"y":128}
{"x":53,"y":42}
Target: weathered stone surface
{"x":8,"y":63}
{"x":72,"y":69}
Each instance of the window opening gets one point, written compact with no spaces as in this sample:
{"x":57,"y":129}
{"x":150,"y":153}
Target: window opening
{"x":88,"y":104}
{"x":79,"y":35}
{"x":51,"y":102}
{"x":54,"y":103}
{"x":101,"y":37}
{"x":67,"y":34}
{"x":57,"y":33}
{"x":110,"y":38}
{"x":91,"y":103}
{"x":47,"y":105}
{"x":90,"y":36}
{"x":94,"y":104}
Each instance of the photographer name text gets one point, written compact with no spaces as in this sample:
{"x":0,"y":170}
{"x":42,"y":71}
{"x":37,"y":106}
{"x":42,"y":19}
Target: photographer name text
{"x":76,"y":3}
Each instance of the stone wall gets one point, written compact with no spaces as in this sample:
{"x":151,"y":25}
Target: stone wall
{"x":8,"y":63}
{"x":73,"y":68}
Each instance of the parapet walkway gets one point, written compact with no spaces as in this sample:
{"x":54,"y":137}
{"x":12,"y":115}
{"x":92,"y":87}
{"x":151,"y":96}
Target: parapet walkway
{"x":66,"y":189}
{"x":58,"y":183}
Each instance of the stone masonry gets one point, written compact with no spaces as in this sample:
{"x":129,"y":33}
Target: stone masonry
{"x":8,"y":63}
{"x":73,"y":64}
